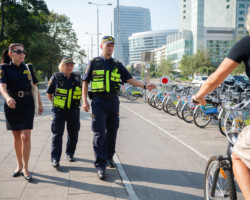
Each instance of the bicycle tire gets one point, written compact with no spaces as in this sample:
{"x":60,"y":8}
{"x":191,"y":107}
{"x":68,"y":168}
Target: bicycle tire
{"x":199,"y":113}
{"x":164,"y":104}
{"x":157,"y":103}
{"x":133,"y":97}
{"x":224,"y":179}
{"x":171,"y":108}
{"x":187,"y":113}
{"x":179,"y":106}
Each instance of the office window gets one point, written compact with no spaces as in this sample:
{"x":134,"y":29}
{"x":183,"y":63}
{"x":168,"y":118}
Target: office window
{"x":242,"y":12}
{"x":241,"y":19}
{"x":184,"y":0}
{"x":184,"y":17}
{"x":228,"y":0}
{"x":242,"y":6}
{"x":228,"y":6}
{"x":184,"y":11}
{"x":184,"y":6}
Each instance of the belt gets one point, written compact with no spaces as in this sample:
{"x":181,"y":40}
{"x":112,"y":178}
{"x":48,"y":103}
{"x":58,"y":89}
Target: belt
{"x":20,"y":93}
{"x":107,"y":96}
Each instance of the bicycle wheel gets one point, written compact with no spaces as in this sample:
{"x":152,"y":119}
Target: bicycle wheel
{"x":170,"y":107}
{"x":164,"y":104}
{"x":157,"y":103}
{"x":222,"y":122}
{"x":187,"y":113}
{"x":200,"y":118}
{"x":133,"y":97}
{"x":179,"y":106}
{"x":225,"y":187}
{"x":151,"y":101}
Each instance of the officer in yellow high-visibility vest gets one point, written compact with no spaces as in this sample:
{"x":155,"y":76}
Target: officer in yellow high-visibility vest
{"x":64,"y":91}
{"x":105,"y":74}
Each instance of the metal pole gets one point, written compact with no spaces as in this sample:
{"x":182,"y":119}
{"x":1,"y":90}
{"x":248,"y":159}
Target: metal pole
{"x":118,"y":28}
{"x":97,"y":45}
{"x":91,"y":46}
{"x":111,"y":28}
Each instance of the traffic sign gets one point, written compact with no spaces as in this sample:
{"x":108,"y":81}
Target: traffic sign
{"x":164,"y":80}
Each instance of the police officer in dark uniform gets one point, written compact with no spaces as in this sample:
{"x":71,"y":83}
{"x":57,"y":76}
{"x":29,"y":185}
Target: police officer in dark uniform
{"x":105,"y":73}
{"x":15,"y":86}
{"x":64,"y":91}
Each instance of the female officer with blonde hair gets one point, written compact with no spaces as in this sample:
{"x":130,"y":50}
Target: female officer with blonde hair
{"x":64,"y":91}
{"x":241,"y":152}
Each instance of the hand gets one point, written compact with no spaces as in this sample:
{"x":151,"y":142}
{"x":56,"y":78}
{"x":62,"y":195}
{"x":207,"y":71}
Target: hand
{"x":85,"y":106}
{"x":40,"y":109}
{"x":201,"y":101}
{"x":11,"y":103}
{"x":150,"y":86}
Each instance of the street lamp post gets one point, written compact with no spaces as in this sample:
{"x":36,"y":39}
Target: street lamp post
{"x":92,"y":42}
{"x":97,"y":5}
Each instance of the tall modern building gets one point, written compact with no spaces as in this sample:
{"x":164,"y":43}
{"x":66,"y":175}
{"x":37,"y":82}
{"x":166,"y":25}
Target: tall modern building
{"x":132,"y":20}
{"x":214,"y":25}
{"x":146,"y":42}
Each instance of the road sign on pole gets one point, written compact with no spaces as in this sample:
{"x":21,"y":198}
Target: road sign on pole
{"x":164,"y":80}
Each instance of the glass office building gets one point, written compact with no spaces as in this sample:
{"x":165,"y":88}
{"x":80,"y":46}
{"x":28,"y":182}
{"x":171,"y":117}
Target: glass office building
{"x":146,"y":42}
{"x":132,"y":20}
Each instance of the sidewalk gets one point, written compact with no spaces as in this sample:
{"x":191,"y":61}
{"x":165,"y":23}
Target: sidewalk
{"x":75,"y":180}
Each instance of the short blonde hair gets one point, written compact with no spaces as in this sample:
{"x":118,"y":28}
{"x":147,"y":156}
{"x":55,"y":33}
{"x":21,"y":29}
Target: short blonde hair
{"x":60,"y":66}
{"x":248,"y":20}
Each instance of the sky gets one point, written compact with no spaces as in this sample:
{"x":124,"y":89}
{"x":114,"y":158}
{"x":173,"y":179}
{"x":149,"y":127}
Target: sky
{"x":164,"y":15}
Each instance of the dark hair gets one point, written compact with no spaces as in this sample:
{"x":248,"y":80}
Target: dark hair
{"x":5,"y":57}
{"x":13,"y":45}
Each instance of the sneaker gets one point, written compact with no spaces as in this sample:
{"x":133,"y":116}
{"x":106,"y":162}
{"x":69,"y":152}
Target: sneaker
{"x":71,"y":158}
{"x":111,"y":163}
{"x":55,"y":163}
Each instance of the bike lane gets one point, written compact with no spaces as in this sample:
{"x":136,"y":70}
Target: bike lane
{"x":163,"y":156}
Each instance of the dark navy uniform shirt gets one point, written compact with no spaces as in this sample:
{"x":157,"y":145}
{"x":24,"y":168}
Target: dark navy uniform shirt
{"x":17,"y":78}
{"x":241,"y":52}
{"x":125,"y":75}
{"x":52,"y":85}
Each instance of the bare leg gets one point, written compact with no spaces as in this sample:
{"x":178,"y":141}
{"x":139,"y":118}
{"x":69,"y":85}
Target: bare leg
{"x":25,"y":135}
{"x":18,"y":149}
{"x":242,"y":176}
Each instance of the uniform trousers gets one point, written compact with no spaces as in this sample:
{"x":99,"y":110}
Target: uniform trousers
{"x":105,"y":123}
{"x":70,"y":117}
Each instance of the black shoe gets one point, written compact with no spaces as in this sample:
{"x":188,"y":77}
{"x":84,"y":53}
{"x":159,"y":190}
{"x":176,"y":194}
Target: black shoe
{"x":111,"y":163}
{"x":55,"y":163}
{"x":28,"y":178}
{"x":71,"y":158}
{"x":101,"y":173}
{"x":16,"y":174}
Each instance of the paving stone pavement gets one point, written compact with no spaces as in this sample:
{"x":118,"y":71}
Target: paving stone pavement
{"x":72,"y":181}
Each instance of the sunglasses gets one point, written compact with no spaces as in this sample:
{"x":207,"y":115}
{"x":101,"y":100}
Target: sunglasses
{"x":19,"y":52}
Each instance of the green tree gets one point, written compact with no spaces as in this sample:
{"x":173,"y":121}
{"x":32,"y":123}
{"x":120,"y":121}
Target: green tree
{"x":186,"y":66}
{"x":21,"y":21}
{"x":165,"y":68}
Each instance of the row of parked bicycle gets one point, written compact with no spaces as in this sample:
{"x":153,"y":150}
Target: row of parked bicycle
{"x":177,"y":100}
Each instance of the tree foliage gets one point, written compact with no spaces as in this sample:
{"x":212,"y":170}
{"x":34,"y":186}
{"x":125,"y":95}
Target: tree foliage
{"x":47,"y":36}
{"x":198,"y":63}
{"x":165,"y":68}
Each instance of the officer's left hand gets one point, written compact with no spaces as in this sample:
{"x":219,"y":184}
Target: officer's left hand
{"x":40,"y":110}
{"x":150,"y":86}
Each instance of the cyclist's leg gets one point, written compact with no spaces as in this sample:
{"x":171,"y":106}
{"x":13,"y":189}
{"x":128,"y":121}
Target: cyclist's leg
{"x":242,"y":176}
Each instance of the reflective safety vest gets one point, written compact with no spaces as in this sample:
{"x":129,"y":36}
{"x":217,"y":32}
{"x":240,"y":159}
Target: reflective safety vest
{"x":105,"y":81}
{"x":64,"y":97}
